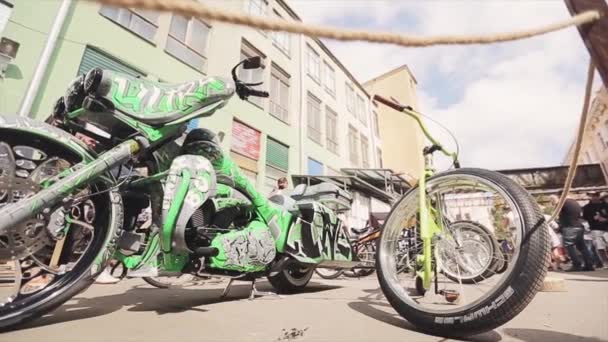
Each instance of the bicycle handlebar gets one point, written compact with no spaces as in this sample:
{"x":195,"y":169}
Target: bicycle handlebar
{"x":408,"y":110}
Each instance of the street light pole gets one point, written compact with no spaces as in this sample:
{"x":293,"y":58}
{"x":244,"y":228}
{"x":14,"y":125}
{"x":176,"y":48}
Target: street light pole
{"x":32,"y":90}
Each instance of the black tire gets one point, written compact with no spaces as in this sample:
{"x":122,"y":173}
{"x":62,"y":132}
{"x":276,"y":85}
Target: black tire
{"x":497,"y":255}
{"x":331,"y":274}
{"x":508,"y":298}
{"x":292,"y":279}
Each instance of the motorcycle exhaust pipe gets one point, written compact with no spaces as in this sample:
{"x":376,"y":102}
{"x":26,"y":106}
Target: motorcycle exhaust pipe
{"x":15,"y":213}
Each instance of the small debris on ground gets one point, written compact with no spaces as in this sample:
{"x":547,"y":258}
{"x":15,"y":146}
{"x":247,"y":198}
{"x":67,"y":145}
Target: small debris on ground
{"x":291,"y":334}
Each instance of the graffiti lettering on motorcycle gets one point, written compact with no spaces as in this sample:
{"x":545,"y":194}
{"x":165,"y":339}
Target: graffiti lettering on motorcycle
{"x":135,"y":96}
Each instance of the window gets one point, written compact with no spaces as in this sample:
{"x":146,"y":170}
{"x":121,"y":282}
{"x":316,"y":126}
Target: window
{"x":281,"y":39}
{"x":245,"y":140}
{"x":330,"y":78}
{"x":277,"y":154}
{"x":361,"y":112}
{"x":277,"y":163}
{"x":331,"y":132}
{"x":252,"y":75}
{"x":600,"y":140}
{"x":350,"y":99}
{"x":313,"y":110}
{"x":376,"y":124}
{"x":94,"y":58}
{"x":249,"y":167}
{"x":279,"y":93}
{"x":364,"y":151}
{"x":313,"y":67}
{"x":379,"y":156}
{"x":257,"y":7}
{"x":315,"y":168}
{"x":188,"y":40}
{"x":353,"y":145}
{"x":141,"y":22}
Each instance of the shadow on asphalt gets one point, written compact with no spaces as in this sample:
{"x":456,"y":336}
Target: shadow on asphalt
{"x":375,"y":306}
{"x":546,"y":335}
{"x":143,"y":298}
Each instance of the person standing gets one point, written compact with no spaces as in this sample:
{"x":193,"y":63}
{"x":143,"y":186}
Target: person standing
{"x":282,"y":184}
{"x":573,"y":236}
{"x":596,"y":213}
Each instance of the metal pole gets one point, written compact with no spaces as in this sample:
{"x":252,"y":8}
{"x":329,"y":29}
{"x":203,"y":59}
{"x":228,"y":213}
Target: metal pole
{"x":32,"y":90}
{"x":302,"y":104}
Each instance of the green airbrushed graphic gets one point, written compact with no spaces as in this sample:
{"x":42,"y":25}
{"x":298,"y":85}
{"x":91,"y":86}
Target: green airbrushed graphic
{"x":265,"y":210}
{"x":225,"y":203}
{"x":255,"y":228}
{"x":224,"y":191}
{"x":174,"y":262}
{"x":176,"y":205}
{"x":184,"y":101}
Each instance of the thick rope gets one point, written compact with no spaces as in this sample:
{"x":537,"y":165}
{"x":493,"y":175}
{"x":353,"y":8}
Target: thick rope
{"x":190,"y":8}
{"x":578,"y":144}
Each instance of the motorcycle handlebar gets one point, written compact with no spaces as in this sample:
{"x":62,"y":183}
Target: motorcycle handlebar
{"x":258,"y":93}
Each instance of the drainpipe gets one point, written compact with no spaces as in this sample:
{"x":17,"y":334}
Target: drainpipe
{"x":302,"y":102}
{"x":32,"y":91}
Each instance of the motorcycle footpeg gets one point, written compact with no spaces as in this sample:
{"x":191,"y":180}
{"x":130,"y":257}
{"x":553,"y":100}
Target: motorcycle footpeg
{"x":206,"y":251}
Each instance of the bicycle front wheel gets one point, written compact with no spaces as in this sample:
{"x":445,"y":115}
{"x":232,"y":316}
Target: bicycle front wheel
{"x":485,"y":299}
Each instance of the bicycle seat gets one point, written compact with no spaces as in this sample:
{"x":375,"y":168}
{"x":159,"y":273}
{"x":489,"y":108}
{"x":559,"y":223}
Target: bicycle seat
{"x":360,"y":231}
{"x":152,"y":102}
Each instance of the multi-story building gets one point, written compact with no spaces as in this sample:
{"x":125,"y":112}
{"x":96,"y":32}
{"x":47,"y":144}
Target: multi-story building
{"x":595,"y":142}
{"x":317,"y":120}
{"x":402,"y":139}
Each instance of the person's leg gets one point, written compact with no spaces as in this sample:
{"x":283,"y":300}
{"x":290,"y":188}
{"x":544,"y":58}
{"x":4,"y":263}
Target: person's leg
{"x":569,"y":236}
{"x":597,"y":262}
{"x":599,"y":243}
{"x":580,"y":245}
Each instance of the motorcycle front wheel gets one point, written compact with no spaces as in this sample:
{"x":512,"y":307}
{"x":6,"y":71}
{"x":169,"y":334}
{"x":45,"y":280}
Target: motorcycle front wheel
{"x":48,"y":259}
{"x":451,"y":307}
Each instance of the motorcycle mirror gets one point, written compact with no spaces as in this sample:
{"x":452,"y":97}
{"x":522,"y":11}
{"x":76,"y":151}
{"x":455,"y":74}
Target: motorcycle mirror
{"x":252,"y":62}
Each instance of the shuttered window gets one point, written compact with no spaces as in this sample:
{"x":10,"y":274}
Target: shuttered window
{"x":93,"y":58}
{"x":277,"y":154}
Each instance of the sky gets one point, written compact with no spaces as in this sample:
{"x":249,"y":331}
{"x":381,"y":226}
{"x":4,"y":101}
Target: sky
{"x":511,"y":105}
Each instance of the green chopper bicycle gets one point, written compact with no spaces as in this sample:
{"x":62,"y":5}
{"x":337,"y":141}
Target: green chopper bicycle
{"x":447,"y":274}
{"x":68,"y":208}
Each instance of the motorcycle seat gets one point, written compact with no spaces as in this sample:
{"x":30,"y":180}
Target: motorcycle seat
{"x":284,"y":201}
{"x":151,"y":102}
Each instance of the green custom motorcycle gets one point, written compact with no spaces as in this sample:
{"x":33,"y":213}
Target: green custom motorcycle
{"x":71,"y":192}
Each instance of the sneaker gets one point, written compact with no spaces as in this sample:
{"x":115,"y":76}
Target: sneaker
{"x":575,"y":269}
{"x":106,"y":278}
{"x":588,"y":269}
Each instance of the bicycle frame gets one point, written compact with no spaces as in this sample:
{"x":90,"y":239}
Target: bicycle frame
{"x":430,"y":218}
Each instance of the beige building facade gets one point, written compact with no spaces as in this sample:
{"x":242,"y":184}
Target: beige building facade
{"x":595,"y":143}
{"x":402,"y":140}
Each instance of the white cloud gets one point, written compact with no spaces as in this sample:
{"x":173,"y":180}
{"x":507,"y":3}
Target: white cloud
{"x":517,"y":104}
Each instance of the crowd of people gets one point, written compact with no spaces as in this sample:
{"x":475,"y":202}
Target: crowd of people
{"x":581,"y":234}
